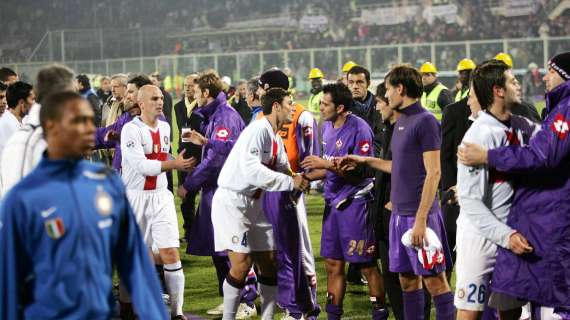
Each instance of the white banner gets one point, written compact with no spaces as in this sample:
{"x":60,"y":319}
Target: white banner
{"x":447,"y":13}
{"x":314,"y":23}
{"x":514,"y":8}
{"x":388,"y":16}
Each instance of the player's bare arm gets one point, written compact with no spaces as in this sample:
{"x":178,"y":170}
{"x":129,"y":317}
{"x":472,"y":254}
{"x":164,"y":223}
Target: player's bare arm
{"x":433,"y":174}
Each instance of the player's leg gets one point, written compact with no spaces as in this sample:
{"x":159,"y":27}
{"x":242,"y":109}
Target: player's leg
{"x":336,"y":287}
{"x":413,"y":296}
{"x":231,"y":230}
{"x":356,"y":233}
{"x":332,"y":251}
{"x":235,"y":282}
{"x":262,"y":244}
{"x":404,"y":261}
{"x":435,"y":279}
{"x":166,"y":238}
{"x":474,"y":266}
{"x":266,"y":263}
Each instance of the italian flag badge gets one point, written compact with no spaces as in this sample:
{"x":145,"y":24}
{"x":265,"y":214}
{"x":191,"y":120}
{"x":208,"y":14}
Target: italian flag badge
{"x":55,"y":228}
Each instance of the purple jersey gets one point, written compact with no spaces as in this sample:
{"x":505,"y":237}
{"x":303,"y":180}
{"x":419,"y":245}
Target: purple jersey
{"x":353,"y":137}
{"x":416,"y":131}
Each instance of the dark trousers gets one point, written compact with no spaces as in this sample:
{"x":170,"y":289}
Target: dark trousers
{"x":450,"y":215}
{"x":187,"y":207}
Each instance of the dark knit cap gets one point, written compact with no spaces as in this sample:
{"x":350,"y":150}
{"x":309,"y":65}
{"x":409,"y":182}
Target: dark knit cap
{"x":274,"y":78}
{"x":561,"y":64}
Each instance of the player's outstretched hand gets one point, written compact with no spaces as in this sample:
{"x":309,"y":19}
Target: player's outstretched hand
{"x":184,"y":164}
{"x":419,"y":239}
{"x":300,"y":182}
{"x":471,"y":154}
{"x":196,"y":138}
{"x":314,"y":162}
{"x":350,"y":162}
{"x":519,"y":244}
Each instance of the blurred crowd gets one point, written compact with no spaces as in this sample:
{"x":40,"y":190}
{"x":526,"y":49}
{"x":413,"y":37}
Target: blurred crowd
{"x":189,"y":26}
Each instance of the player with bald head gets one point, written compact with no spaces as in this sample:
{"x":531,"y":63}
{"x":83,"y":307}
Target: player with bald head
{"x":145,"y":142}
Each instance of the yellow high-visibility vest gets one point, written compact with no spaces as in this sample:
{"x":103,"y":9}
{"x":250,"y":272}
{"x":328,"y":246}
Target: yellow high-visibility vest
{"x":430,"y":101}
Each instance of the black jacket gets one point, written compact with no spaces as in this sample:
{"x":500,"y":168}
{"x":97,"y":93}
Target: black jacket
{"x":193,"y":122}
{"x":243,"y":109}
{"x":454,"y":124}
{"x":382,"y":184}
{"x":367,"y":110}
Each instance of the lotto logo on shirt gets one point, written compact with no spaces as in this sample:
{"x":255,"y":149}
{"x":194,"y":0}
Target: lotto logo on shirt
{"x":560,"y":126}
{"x":364,"y":147}
{"x":222,"y":134}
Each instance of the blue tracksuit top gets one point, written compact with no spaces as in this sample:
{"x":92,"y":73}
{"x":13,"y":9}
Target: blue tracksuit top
{"x":62,"y":230}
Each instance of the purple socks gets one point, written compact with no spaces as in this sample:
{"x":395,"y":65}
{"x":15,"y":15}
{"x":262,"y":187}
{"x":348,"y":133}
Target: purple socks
{"x":444,"y":309}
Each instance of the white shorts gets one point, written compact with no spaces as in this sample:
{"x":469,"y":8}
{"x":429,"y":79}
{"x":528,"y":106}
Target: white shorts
{"x":476,"y":258}
{"x":156,"y":216}
{"x":239,"y":223}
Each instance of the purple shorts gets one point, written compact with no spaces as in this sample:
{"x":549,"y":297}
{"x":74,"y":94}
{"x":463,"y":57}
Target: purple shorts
{"x":404,"y":259}
{"x":348,"y":233}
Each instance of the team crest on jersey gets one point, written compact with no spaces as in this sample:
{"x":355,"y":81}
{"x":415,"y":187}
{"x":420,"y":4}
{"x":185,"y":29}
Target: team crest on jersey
{"x":103,"y":202}
{"x":155,"y":148}
{"x":55,"y":228}
{"x":222,"y":134}
{"x":364,"y":146}
{"x":338,"y":144}
{"x":461,"y":293}
{"x":130,"y":144}
{"x":560,"y":126}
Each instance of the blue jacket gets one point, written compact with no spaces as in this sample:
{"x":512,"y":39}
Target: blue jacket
{"x":63,"y":229}
{"x":540,"y":209}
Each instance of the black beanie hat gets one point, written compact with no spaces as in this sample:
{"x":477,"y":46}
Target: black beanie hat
{"x":561,"y":64}
{"x":274,"y":78}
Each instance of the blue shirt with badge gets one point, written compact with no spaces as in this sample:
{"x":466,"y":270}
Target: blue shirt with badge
{"x":62,"y":230}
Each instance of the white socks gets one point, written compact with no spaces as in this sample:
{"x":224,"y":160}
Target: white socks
{"x":174,"y":278}
{"x":268,"y":296}
{"x":231,"y":300}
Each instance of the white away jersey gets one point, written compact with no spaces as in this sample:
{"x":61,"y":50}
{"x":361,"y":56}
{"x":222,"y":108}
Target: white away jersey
{"x":485,"y":195}
{"x":257,"y":161}
{"x":143,"y":149}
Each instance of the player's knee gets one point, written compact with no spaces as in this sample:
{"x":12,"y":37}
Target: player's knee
{"x":410,"y":282}
{"x":334,"y":267}
{"x":169,"y":255}
{"x":369,"y":269}
{"x":467,"y":314}
{"x":437,"y":285}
